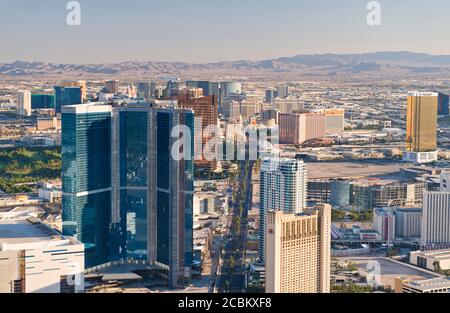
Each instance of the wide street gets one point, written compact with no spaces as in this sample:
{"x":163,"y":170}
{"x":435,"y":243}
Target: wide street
{"x":232,"y":277}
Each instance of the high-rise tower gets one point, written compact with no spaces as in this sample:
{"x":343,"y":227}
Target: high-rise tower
{"x":125,"y":195}
{"x":283,"y":187}
{"x":421,"y":127}
{"x":67,"y":96}
{"x":86,"y":178}
{"x":298,"y":249}
{"x":24,"y":103}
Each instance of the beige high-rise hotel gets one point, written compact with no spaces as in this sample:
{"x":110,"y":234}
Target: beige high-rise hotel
{"x":296,"y":128}
{"x":298,"y":251}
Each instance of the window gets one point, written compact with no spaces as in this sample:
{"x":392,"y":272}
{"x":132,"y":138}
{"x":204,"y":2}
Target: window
{"x":17,"y":286}
{"x":422,"y":262}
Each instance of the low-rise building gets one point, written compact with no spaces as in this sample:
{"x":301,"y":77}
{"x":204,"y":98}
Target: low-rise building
{"x":17,"y":200}
{"x":434,"y":285}
{"x":36,"y":259}
{"x":209,"y":203}
{"x":50,"y":194}
{"x":46,"y":123}
{"x":434,"y":260}
{"x":369,"y":235}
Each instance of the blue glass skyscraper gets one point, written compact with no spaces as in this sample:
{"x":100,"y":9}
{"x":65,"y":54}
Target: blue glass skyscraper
{"x":443,"y":104}
{"x":153,"y":193}
{"x":42,"y":101}
{"x":67,"y":96}
{"x":86,"y":177}
{"x":150,"y":216}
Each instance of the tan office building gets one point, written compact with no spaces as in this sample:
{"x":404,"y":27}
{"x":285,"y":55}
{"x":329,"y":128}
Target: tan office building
{"x":421,"y":127}
{"x":297,"y":128}
{"x":298,"y":250}
{"x":334,"y":119}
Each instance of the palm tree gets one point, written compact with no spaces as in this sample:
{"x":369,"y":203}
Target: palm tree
{"x":437,"y":267}
{"x":232,"y":264}
{"x":227,"y":286}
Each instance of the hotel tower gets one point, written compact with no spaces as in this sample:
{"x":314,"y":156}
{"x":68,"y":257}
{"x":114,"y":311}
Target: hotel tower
{"x":298,"y":248}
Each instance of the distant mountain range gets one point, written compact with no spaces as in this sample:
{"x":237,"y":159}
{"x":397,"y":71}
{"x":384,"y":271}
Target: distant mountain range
{"x":383,"y":63}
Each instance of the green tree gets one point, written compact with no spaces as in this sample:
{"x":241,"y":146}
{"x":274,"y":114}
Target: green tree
{"x":437,"y":267}
{"x":227,"y":286}
{"x":232,"y":263}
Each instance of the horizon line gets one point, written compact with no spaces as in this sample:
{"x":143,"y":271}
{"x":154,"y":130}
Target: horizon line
{"x":232,"y":61}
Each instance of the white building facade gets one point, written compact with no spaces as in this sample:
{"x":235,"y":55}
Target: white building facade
{"x":36,"y":259}
{"x":24,"y":103}
{"x":283,"y":187}
{"x":435,"y":233}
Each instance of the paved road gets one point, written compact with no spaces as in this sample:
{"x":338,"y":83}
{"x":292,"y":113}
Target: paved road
{"x":232,"y":278}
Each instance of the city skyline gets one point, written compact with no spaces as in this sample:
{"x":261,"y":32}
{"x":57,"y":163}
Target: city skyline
{"x":246,"y":148}
{"x":112,"y":183}
{"x":274,"y":58}
{"x":233,"y":30}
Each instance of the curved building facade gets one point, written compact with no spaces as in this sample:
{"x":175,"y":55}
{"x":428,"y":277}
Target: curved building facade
{"x":340,"y":193}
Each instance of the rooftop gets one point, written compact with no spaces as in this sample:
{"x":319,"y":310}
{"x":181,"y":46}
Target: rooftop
{"x":92,"y":107}
{"x":433,"y":283}
{"x":330,"y":170}
{"x":436,"y":254}
{"x":422,"y":94}
{"x":16,"y":233}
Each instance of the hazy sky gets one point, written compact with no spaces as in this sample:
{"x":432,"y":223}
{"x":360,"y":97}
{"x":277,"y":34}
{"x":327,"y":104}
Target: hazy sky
{"x":215,"y":30}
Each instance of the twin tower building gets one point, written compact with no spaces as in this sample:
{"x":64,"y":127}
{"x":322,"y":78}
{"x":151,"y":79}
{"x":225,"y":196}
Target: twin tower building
{"x":127,"y":199}
{"x":124,"y":196}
